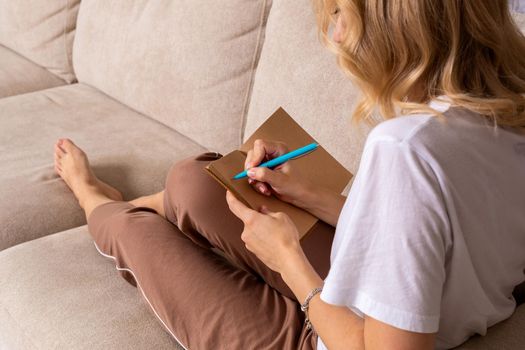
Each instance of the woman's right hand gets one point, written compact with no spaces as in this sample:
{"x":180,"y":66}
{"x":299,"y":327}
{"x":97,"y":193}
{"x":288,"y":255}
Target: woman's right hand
{"x":284,"y":181}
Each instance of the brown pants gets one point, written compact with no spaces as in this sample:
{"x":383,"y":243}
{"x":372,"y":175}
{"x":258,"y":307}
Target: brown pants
{"x":204,"y":300}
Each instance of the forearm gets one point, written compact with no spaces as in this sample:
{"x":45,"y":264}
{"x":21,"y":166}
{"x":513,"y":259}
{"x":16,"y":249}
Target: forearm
{"x":324,"y":204}
{"x":338,"y":327}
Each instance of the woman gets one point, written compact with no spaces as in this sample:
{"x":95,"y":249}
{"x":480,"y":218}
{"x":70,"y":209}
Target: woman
{"x":429,"y":244}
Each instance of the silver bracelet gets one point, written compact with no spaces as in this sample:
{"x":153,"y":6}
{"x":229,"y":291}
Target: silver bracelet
{"x":306,"y":304}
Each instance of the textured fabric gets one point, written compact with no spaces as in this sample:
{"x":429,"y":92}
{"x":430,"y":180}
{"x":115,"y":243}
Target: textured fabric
{"x":519,"y":18}
{"x":194,"y":218}
{"x":507,"y":335}
{"x":422,"y":229}
{"x":296,"y":72}
{"x":128,"y":150}
{"x":201,"y":298}
{"x":18,"y":75}
{"x":59,"y":293}
{"x":42,"y":31}
{"x":186,"y":63}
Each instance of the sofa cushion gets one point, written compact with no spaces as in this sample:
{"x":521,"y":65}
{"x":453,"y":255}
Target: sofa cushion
{"x":58,"y":292}
{"x":18,"y":75}
{"x":504,"y":335}
{"x":128,"y":150}
{"x":188,"y":64}
{"x":42,"y":31}
{"x":296,"y":72}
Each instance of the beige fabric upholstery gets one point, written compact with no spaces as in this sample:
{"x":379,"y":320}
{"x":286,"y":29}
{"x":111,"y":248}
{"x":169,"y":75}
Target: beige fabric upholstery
{"x":42,"y":31}
{"x":128,"y":150}
{"x":58,"y":292}
{"x":188,"y":64}
{"x":18,"y":75}
{"x":296,"y":72}
{"x":506,"y":335}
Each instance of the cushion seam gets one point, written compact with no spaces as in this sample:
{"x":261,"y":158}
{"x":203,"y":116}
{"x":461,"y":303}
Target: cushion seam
{"x":69,"y":64}
{"x":258,"y":49}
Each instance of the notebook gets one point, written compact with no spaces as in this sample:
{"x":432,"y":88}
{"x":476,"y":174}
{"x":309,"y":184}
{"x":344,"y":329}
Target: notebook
{"x":318,"y":166}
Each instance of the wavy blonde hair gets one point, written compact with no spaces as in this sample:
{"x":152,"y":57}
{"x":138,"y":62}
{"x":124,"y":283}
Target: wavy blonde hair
{"x":404,"y":53}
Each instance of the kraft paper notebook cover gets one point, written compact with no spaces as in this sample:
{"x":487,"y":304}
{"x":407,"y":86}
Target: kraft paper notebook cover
{"x":317,"y":166}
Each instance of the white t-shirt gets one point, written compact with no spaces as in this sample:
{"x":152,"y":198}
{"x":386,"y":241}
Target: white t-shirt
{"x":432,"y":235}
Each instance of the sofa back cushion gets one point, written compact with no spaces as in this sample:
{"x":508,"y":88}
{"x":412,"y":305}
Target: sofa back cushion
{"x":187,"y":64}
{"x":41,"y":31}
{"x":296,"y":72}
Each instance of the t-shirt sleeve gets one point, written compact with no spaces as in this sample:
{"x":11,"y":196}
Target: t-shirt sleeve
{"x":388,"y":258}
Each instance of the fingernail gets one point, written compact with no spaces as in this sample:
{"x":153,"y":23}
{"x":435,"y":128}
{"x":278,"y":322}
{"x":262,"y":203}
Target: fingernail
{"x":251,"y":172}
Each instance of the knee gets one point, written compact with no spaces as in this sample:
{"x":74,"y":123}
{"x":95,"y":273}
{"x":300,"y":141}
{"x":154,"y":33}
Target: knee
{"x":178,"y":172}
{"x":188,"y":184}
{"x":189,"y":168}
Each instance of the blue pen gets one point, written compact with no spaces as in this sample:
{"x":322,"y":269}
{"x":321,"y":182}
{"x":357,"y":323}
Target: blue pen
{"x":281,"y":159}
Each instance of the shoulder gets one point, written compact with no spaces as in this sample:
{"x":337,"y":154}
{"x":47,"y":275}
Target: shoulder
{"x":413,"y":127}
{"x":400,"y":129}
{"x":423,"y":134}
{"x":405,"y":134}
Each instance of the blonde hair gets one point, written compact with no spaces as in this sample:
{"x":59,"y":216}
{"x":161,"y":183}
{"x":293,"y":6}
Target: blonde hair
{"x":404,"y":53}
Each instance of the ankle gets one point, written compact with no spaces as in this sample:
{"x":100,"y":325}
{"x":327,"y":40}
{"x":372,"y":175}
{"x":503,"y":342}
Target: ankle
{"x":92,"y":202}
{"x":87,"y":193}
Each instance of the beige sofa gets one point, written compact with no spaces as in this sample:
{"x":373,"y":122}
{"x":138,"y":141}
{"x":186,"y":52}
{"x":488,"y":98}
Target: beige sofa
{"x":140,"y":85}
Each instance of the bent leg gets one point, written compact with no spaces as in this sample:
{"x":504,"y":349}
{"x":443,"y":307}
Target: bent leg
{"x":196,"y":203}
{"x":202,"y":300}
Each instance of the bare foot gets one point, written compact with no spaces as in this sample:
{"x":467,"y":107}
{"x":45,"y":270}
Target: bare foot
{"x":72,"y":164}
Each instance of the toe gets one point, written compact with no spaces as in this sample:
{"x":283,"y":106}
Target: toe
{"x":58,"y":160}
{"x":68,"y":145}
{"x":58,"y":163}
{"x":59,"y":152}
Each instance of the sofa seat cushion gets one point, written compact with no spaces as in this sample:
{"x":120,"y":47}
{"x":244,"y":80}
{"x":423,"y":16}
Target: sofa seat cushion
{"x":18,"y":75}
{"x":508,"y":334}
{"x":58,"y":292}
{"x":126,"y":149}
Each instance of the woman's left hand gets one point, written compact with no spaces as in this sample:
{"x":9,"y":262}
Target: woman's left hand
{"x":271,"y":236}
